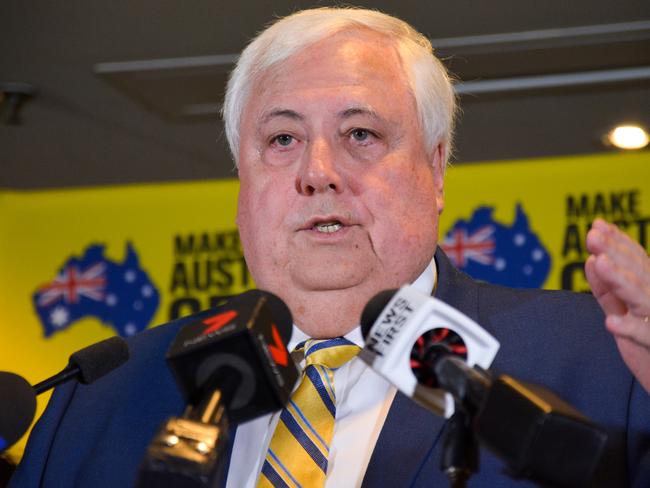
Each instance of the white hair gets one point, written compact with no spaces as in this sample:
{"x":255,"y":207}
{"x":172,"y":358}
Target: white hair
{"x":428,"y":78}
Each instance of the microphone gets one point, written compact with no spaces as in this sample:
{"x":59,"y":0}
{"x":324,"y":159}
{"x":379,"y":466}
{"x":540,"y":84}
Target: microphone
{"x":536,"y":434}
{"x":86,"y":366}
{"x":240,"y":350}
{"x":404,"y":328}
{"x":15,"y":416}
{"x":231,"y":365}
{"x":90,"y":363}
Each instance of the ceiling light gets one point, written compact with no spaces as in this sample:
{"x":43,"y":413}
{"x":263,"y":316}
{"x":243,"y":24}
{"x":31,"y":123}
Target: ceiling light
{"x":629,"y":137}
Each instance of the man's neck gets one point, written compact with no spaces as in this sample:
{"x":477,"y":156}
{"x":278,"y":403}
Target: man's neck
{"x":425,"y":283}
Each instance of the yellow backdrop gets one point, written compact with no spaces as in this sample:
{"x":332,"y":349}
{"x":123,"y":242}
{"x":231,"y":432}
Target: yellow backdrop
{"x":185,"y":237}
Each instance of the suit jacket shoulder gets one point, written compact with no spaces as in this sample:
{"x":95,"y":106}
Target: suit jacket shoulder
{"x":552,"y":338}
{"x":95,"y":435}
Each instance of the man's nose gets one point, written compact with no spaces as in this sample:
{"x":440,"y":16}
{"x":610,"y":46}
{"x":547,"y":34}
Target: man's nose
{"x":319,"y":170}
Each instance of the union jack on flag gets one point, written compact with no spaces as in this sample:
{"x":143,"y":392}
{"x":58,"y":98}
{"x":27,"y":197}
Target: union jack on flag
{"x":461,"y":245}
{"x":72,"y":284}
{"x":119,"y":294}
{"x":488,"y":250}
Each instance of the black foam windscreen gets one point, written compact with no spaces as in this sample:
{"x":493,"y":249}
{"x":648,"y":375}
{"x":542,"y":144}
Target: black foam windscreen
{"x":373,"y":309}
{"x":17,"y":408}
{"x":100,"y":358}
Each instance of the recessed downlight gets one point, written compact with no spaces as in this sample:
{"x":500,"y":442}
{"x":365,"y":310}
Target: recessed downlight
{"x":628,"y":137}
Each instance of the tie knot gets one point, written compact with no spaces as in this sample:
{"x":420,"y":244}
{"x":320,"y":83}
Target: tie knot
{"x":330,"y":353}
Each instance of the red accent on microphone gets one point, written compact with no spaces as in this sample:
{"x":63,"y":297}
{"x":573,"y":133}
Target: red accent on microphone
{"x":278,"y":350}
{"x":216,"y":322}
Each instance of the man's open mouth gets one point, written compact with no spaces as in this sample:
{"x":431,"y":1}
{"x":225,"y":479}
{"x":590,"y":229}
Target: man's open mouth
{"x":327,"y":227}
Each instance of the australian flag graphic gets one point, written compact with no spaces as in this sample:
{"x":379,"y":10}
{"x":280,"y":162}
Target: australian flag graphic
{"x":489,"y":251}
{"x":120,"y":295}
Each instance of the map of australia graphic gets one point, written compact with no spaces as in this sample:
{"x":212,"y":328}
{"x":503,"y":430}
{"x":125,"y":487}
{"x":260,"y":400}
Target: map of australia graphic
{"x":120,"y":295}
{"x":490,"y":251}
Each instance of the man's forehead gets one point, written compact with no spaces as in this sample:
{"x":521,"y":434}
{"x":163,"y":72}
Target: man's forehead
{"x":355,"y":77}
{"x":355,"y":109}
{"x":362,"y":51}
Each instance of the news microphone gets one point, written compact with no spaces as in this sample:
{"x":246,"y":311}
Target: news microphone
{"x":231,"y":365}
{"x":86,"y":366}
{"x":239,"y":349}
{"x":403,"y":330}
{"x":538,"y":435}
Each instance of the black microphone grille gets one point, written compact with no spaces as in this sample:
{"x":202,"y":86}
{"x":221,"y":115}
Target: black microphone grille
{"x":17,"y":408}
{"x":100,"y":358}
{"x":372,"y":310}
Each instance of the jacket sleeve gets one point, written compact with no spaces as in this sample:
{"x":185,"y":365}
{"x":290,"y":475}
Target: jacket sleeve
{"x":31,"y":469}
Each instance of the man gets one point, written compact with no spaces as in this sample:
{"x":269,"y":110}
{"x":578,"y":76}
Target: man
{"x":340,"y":121}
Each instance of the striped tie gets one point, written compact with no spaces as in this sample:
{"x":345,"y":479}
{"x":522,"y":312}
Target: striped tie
{"x":297,"y":455}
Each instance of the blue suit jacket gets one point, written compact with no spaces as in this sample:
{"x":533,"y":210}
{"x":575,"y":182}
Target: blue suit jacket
{"x":95,"y":436}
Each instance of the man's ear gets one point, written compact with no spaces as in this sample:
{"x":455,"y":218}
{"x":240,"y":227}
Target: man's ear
{"x":439,"y":164}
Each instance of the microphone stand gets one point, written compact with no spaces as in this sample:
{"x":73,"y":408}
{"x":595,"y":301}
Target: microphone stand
{"x":460,"y":453}
{"x":69,"y":373}
{"x":535,"y":433}
{"x":187,"y":451}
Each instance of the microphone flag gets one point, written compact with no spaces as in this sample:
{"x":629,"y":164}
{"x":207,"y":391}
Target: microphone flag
{"x":408,"y":316}
{"x":240,"y":349}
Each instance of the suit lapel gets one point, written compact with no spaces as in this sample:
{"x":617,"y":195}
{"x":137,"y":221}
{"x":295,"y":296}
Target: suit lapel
{"x":411,"y":433}
{"x":407,"y":439}
{"x":455,"y":288}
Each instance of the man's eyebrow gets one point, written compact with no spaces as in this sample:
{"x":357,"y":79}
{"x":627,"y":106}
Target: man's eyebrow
{"x":349,"y":112}
{"x":281,"y":112}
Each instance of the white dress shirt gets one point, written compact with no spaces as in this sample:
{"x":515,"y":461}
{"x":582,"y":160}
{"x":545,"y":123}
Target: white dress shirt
{"x":362,"y":402}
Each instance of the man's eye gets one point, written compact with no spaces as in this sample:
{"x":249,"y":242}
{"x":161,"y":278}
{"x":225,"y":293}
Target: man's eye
{"x":283,"y":140}
{"x":360,"y":135}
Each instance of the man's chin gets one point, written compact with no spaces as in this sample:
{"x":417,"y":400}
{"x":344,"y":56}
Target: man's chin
{"x":330,"y":279}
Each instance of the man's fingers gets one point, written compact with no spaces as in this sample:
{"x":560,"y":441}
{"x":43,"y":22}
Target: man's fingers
{"x":625,"y":241}
{"x":618,"y":267}
{"x":637,"y":358}
{"x":626,"y":284}
{"x":602,"y":290}
{"x":631,"y":327}
{"x":607,"y":238}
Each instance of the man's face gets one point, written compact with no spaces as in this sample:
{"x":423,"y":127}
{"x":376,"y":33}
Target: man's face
{"x":339,"y":197}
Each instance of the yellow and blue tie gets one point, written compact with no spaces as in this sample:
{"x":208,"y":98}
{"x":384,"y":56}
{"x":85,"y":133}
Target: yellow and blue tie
{"x":298,"y":452}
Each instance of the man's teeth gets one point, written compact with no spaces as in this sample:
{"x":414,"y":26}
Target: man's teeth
{"x":328,"y":228}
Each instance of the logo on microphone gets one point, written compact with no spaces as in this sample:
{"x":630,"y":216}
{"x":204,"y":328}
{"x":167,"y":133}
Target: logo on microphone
{"x":490,"y":251}
{"x":278,"y":350}
{"x":216,"y":322}
{"x":393,"y":318}
{"x":120,"y":295}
